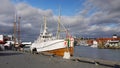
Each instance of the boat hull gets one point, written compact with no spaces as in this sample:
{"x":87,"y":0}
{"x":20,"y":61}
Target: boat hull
{"x":56,"y":47}
{"x":60,"y":52}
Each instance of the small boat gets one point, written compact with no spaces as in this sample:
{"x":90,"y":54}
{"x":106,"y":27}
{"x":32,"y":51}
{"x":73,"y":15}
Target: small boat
{"x":47,"y":43}
{"x":95,"y":44}
{"x":112,"y":44}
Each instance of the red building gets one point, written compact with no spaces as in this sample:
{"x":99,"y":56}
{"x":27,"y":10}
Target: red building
{"x":103,"y":40}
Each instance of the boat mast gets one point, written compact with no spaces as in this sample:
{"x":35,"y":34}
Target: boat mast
{"x":19,"y":31}
{"x":58,"y":31}
{"x":45,"y":26}
{"x":15,"y":29}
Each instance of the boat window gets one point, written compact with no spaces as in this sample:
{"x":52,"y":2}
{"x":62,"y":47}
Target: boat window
{"x":45,"y":37}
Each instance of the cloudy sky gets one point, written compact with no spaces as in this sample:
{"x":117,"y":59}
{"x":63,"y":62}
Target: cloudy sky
{"x":86,"y":18}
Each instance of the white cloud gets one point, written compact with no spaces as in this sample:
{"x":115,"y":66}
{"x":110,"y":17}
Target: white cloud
{"x":103,"y":19}
{"x":96,"y":18}
{"x":6,"y":7}
{"x":6,"y":16}
{"x":27,"y":25}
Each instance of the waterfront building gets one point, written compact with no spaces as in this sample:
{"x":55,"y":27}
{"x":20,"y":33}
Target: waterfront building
{"x":113,"y":42}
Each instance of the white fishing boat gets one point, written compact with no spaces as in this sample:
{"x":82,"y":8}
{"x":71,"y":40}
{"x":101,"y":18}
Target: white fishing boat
{"x":47,"y":43}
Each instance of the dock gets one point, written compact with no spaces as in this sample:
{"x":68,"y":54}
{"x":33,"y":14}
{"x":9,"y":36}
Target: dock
{"x":109,"y":63}
{"x":15,"y":59}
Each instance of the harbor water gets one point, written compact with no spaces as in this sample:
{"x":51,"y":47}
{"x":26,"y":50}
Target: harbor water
{"x":95,"y":53}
